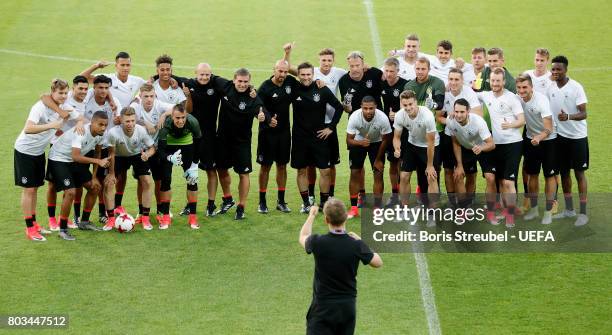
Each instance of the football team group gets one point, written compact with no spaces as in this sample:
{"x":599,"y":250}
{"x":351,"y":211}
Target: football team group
{"x":420,"y":112}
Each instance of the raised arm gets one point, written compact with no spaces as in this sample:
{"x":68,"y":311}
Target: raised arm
{"x":88,"y":72}
{"x":306,"y":230}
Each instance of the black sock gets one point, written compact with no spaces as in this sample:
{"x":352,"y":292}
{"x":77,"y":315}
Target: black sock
{"x":51,"y":210}
{"x":192,"y":207}
{"x":549,"y":205}
{"x":324,"y":197}
{"x":569,"y":204}
{"x":262,"y":197}
{"x":118,"y":199}
{"x":228,"y":198}
{"x":331,"y":189}
{"x":63,"y":223}
{"x":86,"y":214}
{"x":533,"y":200}
{"x":146,"y":211}
{"x":110,"y":213}
{"x":583,"y":206}
{"x":165,"y":208}
{"x":211,"y":203}
{"x":362,"y":194}
{"x":101,"y":209}
{"x":304,"y":196}
{"x":33,"y":217}
{"x":377,"y":201}
{"x":77,"y":209}
{"x":29,"y":221}
{"x":525,"y":187}
{"x":140,"y":209}
{"x":311,"y":189}
{"x":158,"y":207}
{"x":281,"y":195}
{"x":240,"y":208}
{"x":353,"y":200}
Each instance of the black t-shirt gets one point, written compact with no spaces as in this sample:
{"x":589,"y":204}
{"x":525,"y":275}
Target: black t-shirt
{"x":353,"y":91}
{"x":277,"y":100}
{"x":309,"y":108}
{"x":337,"y":258}
{"x":237,"y":111}
{"x":205,"y":102}
{"x":391,"y":95}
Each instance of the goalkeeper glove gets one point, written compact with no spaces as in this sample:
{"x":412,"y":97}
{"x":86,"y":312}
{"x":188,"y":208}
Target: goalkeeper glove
{"x":176,"y":158}
{"x":192,"y":174}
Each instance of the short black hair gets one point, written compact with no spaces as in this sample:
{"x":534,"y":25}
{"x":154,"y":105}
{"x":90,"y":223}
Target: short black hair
{"x":163,"y":59}
{"x":462,"y":102}
{"x":100,"y":115}
{"x":305,"y":65}
{"x":368,"y":98}
{"x":102,"y":79}
{"x":79,"y":79}
{"x":122,"y":54}
{"x":560,"y":59}
{"x":446,"y":45}
{"x":179,"y":108}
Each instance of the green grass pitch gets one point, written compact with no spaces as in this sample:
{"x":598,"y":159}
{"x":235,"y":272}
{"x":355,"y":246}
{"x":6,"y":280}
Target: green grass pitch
{"x":252,"y":277}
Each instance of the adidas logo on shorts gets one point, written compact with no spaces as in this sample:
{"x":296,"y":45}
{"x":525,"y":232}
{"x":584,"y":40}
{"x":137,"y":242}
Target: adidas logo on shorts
{"x":584,"y":165}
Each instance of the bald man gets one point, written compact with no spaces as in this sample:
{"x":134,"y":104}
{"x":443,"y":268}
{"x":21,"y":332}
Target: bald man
{"x":274,"y":140}
{"x":203,"y":104}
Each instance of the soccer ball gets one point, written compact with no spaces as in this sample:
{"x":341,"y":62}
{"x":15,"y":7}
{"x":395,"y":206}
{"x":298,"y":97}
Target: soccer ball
{"x":124,"y":223}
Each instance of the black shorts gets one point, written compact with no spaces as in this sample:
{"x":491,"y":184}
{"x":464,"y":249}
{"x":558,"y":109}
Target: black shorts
{"x":139,"y":167}
{"x":309,"y":151}
{"x":66,"y":175}
{"x":357,"y":155}
{"x":541,"y":156}
{"x":573,"y":154}
{"x":334,"y":148}
{"x":469,"y":159}
{"x":166,"y":166}
{"x":102,"y":172}
{"x":390,"y":150}
{"x":415,"y":158}
{"x":156,"y":166}
{"x":447,"y":155}
{"x":207,"y":151}
{"x":234,"y":154}
{"x":331,"y":317}
{"x":507,"y":160}
{"x":29,"y":170}
{"x":274,"y":146}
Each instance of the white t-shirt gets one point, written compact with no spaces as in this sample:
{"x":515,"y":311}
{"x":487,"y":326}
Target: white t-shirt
{"x":423,"y":124}
{"x":536,"y":110}
{"x":506,"y":108}
{"x":541,"y":83}
{"x":331,"y":81}
{"x":375,"y":129}
{"x":35,"y":144}
{"x":129,"y":146}
{"x":439,"y":70}
{"x":466,"y":93}
{"x":406,"y":70}
{"x":91,"y":106}
{"x":475,"y":131}
{"x":567,"y":98}
{"x":171,"y":95}
{"x":61,"y":151}
{"x":125,"y":91}
{"x":151,"y":116}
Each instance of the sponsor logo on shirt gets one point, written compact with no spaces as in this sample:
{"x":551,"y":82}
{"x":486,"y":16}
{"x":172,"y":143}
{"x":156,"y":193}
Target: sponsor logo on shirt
{"x":316,"y":97}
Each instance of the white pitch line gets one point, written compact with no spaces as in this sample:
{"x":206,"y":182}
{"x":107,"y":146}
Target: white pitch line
{"x":427,"y":294}
{"x":91,"y":61}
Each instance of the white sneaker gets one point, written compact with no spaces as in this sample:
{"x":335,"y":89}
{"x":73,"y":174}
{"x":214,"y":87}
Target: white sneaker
{"x":547,"y":218}
{"x":531,"y":214}
{"x":565,"y":214}
{"x":581,"y":220}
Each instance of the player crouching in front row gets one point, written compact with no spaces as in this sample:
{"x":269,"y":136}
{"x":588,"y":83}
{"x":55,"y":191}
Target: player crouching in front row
{"x":68,"y":169}
{"x":126,"y":142}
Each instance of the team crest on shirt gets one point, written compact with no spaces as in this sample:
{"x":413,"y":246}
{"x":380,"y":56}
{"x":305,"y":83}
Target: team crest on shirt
{"x":316,"y":97}
{"x":66,"y":182}
{"x":288,"y":89}
{"x":396,"y":92}
{"x":134,"y":143}
{"x":369,"y":84}
{"x":210,"y":91}
{"x":242,"y":105}
{"x":24,"y":180}
{"x":171,"y":96}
